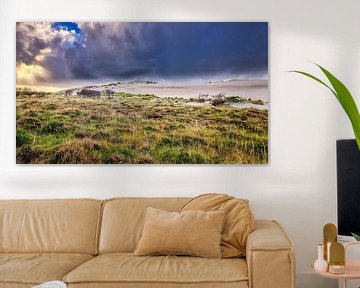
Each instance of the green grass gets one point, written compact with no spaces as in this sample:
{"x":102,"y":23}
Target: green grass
{"x":137,"y":129}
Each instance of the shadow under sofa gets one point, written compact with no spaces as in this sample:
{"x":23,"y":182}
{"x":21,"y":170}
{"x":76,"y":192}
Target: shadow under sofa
{"x":90,"y":243}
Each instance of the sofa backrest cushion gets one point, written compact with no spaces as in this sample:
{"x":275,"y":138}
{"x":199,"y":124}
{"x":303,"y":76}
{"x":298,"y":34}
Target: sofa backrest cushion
{"x":64,"y":226}
{"x":123,"y":220}
{"x":239,"y":220}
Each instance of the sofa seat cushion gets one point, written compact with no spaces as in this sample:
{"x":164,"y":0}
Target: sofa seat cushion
{"x":15,"y":285}
{"x":127,"y":268}
{"x":242,"y":284}
{"x":36,"y":268}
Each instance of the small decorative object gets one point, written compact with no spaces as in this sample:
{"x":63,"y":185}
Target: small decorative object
{"x":330,"y":236}
{"x":337,"y":258}
{"x":336,"y":269}
{"x":328,"y":245}
{"x":320,"y":264}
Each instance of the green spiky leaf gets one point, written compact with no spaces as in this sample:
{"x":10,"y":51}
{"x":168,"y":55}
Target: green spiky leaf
{"x":356,"y":236}
{"x":316,"y":79}
{"x":344,"y":97}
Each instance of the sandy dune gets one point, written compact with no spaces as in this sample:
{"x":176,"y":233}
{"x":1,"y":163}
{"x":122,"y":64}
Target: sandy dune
{"x":254,"y":89}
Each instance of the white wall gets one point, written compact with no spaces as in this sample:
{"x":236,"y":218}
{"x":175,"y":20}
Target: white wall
{"x":297,"y":188}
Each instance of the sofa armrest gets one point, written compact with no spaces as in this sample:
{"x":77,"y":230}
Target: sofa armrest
{"x":269,"y":255}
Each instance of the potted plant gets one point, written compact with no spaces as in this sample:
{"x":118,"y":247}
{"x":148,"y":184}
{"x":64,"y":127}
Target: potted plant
{"x":345,"y":99}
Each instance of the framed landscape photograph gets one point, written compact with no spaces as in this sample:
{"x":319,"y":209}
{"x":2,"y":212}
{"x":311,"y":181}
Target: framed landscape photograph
{"x":142,"y":93}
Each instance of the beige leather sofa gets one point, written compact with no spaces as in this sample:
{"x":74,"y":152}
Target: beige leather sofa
{"x":89,"y":243}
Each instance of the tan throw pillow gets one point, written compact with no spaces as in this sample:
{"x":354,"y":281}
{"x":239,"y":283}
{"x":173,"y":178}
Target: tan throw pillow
{"x":238,"y":224}
{"x":196,"y":233}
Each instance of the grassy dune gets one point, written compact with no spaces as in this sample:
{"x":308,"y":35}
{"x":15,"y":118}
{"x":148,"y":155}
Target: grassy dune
{"x":137,"y":129}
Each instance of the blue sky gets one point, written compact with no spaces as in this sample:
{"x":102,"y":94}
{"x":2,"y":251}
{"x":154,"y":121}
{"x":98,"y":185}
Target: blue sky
{"x":60,"y":52}
{"x":67,"y":25}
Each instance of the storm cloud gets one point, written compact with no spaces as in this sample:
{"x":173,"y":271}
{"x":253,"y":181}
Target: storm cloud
{"x":63,"y":52}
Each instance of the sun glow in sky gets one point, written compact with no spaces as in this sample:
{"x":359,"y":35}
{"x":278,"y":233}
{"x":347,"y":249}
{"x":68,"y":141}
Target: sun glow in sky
{"x":29,"y":74}
{"x":62,"y":54}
